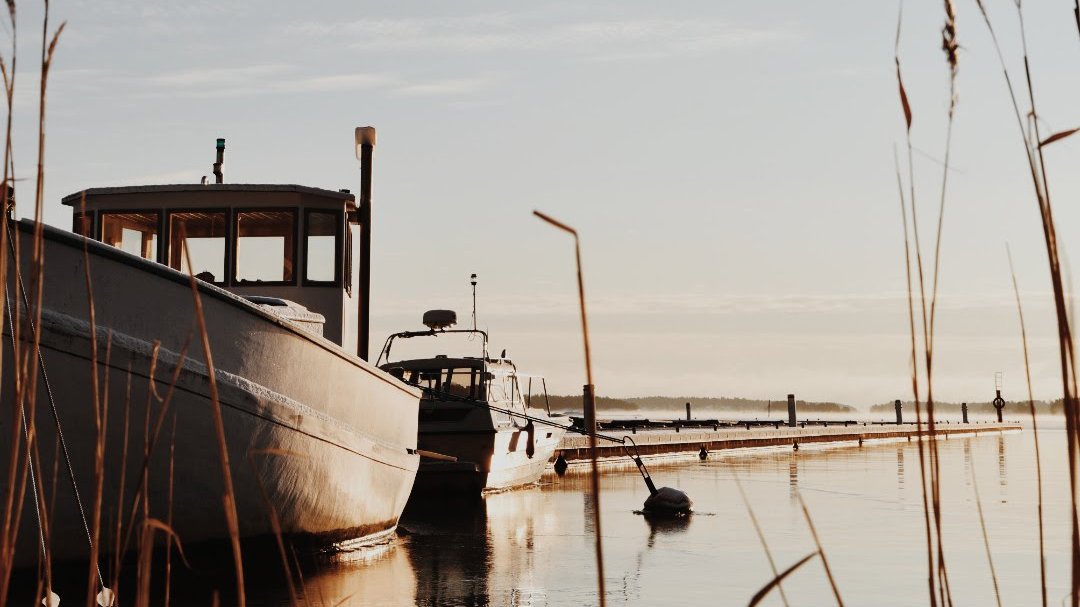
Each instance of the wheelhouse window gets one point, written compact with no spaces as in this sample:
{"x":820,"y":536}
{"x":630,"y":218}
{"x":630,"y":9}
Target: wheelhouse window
{"x":136,"y":233}
{"x":322,"y":230}
{"x":265,"y":246}
{"x":200,"y":234}
{"x":459,"y":382}
{"x":83,"y":224}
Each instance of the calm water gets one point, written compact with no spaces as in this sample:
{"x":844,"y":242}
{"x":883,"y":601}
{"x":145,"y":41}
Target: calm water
{"x":535,"y":547}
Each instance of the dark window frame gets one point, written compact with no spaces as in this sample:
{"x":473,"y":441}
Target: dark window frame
{"x":339,"y":243}
{"x":77,"y":215}
{"x":99,"y":221}
{"x":228,"y":237}
{"x":234,"y":239}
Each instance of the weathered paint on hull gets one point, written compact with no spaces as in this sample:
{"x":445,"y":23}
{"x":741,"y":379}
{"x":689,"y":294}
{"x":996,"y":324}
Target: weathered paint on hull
{"x":331,"y":438}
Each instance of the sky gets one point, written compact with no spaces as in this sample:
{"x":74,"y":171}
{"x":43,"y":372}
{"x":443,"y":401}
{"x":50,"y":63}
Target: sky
{"x":730,"y":168}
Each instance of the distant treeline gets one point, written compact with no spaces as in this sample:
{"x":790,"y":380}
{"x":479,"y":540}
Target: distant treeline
{"x":1012,"y":407}
{"x":678,"y":403}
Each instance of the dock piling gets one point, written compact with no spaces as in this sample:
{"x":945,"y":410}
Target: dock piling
{"x":899,"y":412}
{"x":687,"y":411}
{"x":791,"y":410}
{"x":999,"y":404}
{"x":963,"y":411}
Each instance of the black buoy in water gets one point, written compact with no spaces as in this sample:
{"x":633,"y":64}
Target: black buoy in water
{"x":667,"y":501}
{"x":561,"y":465}
{"x":703,"y":454}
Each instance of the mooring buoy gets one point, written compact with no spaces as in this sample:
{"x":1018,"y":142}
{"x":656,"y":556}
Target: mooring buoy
{"x":703,"y":454}
{"x":668,"y":502}
{"x":561,"y":465}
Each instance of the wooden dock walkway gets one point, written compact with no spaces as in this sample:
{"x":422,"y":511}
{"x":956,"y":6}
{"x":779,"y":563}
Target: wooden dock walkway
{"x":668,"y":444}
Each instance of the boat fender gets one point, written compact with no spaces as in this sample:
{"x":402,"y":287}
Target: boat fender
{"x":530,"y":446}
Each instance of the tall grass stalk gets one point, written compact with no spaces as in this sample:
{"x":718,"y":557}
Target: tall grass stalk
{"x":929,"y":462}
{"x":590,"y":409}
{"x":1034,"y":431}
{"x":820,"y":550}
{"x":229,"y":497}
{"x":1033,"y":150}
{"x":906,"y":107}
{"x":985,"y":535}
{"x":761,"y":537}
{"x":7,"y":539}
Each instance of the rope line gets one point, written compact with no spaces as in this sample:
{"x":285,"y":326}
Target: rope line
{"x":434,"y":394}
{"x":26,"y":435}
{"x":52,"y":406}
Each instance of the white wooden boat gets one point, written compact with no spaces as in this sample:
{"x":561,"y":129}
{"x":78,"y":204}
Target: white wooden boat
{"x":283,"y":281}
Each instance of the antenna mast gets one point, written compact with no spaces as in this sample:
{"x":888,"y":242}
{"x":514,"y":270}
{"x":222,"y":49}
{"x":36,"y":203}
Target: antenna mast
{"x":473,"y":281}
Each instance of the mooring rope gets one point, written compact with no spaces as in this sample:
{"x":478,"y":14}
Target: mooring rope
{"x":52,"y":404}
{"x":635,"y":456}
{"x":26,"y":435}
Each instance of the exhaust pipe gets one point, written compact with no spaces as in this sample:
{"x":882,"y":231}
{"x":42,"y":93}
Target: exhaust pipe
{"x":218,"y":177}
{"x":365,"y":149}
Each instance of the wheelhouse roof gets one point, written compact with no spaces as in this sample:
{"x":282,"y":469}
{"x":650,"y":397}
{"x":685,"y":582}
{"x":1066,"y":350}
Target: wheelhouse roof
{"x":75,"y":199}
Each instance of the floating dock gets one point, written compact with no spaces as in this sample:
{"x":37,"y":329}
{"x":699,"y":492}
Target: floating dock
{"x":680,"y":442}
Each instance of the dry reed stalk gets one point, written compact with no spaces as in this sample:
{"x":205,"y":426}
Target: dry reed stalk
{"x":6,"y":556}
{"x":229,"y":497}
{"x":54,"y":479}
{"x":985,"y":535}
{"x":764,"y":546}
{"x":590,"y":410}
{"x":99,"y":428}
{"x":820,"y":550}
{"x":149,"y":526}
{"x":99,"y":482}
{"x":7,"y":530}
{"x":1033,"y":149}
{"x":118,"y":546}
{"x":932,"y":510}
{"x":1034,"y":430}
{"x":139,"y":497}
{"x":299,"y":574}
{"x":169,"y":513}
{"x":275,"y":522}
{"x":775,"y":582}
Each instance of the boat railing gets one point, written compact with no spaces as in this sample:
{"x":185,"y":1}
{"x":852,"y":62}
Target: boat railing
{"x":384,"y":354}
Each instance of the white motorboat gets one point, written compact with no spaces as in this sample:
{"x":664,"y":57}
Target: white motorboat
{"x":478,"y":431}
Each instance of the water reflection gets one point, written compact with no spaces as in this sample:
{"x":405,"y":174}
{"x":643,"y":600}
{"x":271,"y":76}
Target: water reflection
{"x":1003,"y":481}
{"x":534,"y":547}
{"x":793,"y":475}
{"x":659,"y":525}
{"x":900,"y":467}
{"x":373,"y":576}
{"x":448,"y":541}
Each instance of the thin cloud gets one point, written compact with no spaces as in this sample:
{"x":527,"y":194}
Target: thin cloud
{"x":283,"y":79}
{"x":444,"y":87}
{"x":603,"y":40}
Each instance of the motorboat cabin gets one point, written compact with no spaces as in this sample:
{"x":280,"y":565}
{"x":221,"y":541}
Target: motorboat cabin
{"x":276,"y":245}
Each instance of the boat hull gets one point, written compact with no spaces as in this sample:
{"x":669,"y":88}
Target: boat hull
{"x":486,"y":460}
{"x":322,"y":438}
